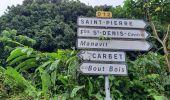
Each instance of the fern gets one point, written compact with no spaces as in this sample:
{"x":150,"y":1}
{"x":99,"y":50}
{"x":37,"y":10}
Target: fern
{"x":63,"y":79}
{"x":43,"y":65}
{"x":75,"y":90}
{"x":46,"y":83}
{"x":21,"y":81}
{"x":54,"y":65}
{"x":21,"y":58}
{"x":72,"y":64}
{"x":53,"y":77}
{"x":15,"y":53}
{"x":31,"y":65}
{"x":25,"y":63}
{"x":90,"y":87}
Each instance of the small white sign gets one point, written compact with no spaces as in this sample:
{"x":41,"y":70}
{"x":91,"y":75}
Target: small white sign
{"x":103,"y":69}
{"x":112,"y":33}
{"x":108,"y":22}
{"x":102,"y":56}
{"x":126,"y":45}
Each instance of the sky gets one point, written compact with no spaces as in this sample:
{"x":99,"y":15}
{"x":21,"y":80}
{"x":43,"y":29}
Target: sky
{"x":5,"y":3}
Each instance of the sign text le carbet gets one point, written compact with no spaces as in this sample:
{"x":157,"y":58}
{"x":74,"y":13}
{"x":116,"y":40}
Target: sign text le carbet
{"x":107,"y":22}
{"x":102,"y":56}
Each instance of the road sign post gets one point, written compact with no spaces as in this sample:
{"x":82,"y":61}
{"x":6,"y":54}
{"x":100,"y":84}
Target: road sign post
{"x":107,"y":88}
{"x":99,"y":56}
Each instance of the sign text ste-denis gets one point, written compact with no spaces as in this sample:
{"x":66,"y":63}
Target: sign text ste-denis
{"x":112,"y":33}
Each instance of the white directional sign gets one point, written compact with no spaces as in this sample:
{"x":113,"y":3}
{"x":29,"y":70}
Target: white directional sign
{"x":103,"y":69}
{"x":102,"y":56}
{"x":135,"y":45}
{"x":100,"y":37}
{"x":112,"y":33}
{"x":108,"y":22}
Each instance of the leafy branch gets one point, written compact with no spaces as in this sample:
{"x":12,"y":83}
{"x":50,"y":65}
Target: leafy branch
{"x":163,"y":42}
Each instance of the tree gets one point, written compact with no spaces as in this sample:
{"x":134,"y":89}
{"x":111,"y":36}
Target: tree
{"x":52,"y":23}
{"x":9,"y":40}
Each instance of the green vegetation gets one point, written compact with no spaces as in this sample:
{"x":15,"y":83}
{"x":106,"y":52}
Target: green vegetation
{"x":38,"y":56}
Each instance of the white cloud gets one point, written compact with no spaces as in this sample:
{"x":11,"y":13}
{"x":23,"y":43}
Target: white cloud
{"x":5,"y":3}
{"x":103,"y":2}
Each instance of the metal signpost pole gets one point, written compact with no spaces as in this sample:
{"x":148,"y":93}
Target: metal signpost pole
{"x":107,"y":88}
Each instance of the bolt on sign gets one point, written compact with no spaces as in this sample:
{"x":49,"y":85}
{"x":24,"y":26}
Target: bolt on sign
{"x":104,"y":14}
